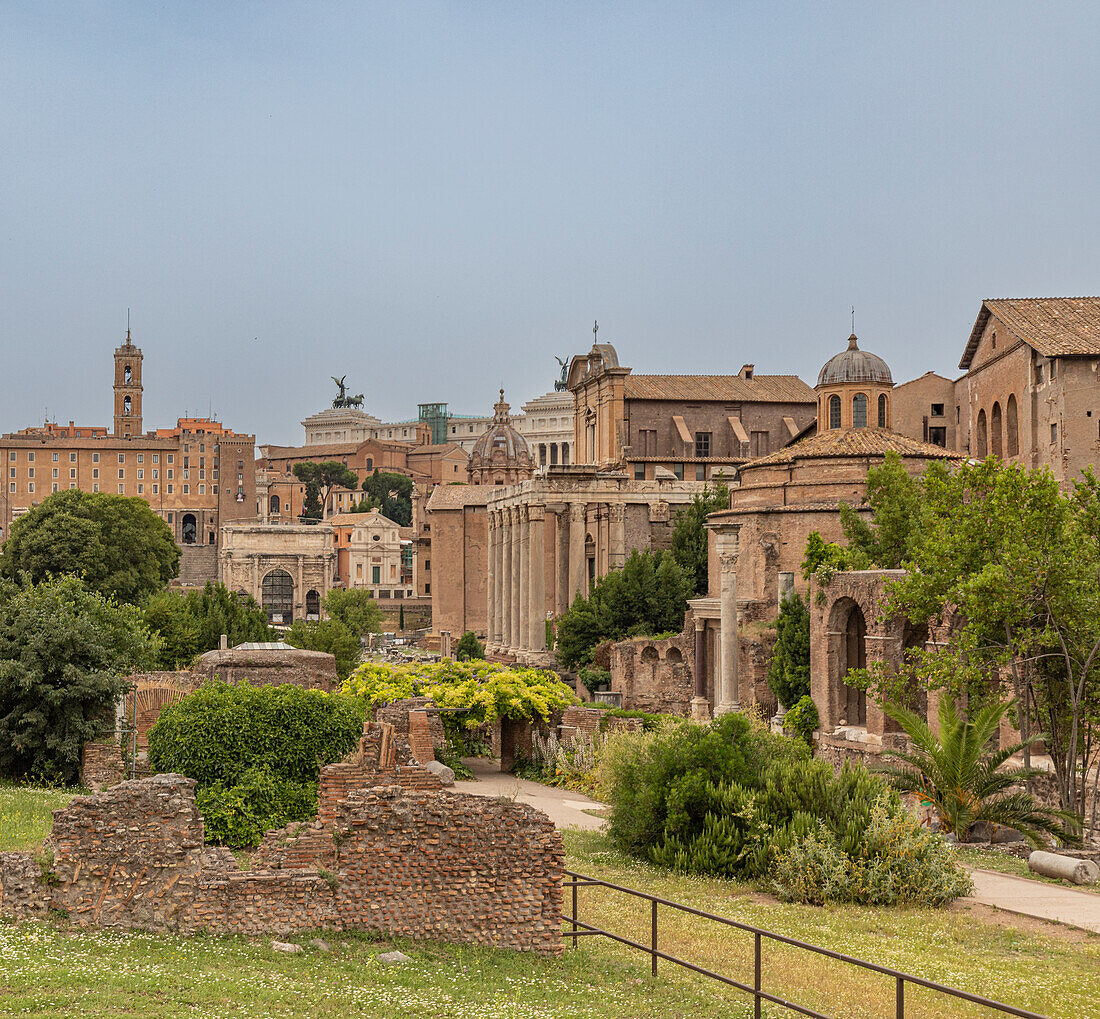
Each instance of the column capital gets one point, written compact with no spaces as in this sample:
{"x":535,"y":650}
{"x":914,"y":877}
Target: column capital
{"x":617,"y":510}
{"x":577,"y":512}
{"x":536,"y":513}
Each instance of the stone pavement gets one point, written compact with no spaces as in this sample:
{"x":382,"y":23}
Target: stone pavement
{"x":1039,"y":899}
{"x":563,"y":806}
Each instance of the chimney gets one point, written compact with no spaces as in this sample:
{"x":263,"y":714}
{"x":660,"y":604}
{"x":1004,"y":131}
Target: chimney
{"x":746,"y":371}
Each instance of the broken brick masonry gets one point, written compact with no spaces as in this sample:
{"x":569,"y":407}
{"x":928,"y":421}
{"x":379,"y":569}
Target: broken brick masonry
{"x":393,"y":857}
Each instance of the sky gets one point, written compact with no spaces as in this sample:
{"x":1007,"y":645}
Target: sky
{"x":436,"y":199}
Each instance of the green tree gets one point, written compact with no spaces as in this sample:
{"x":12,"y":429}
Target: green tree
{"x":965,"y":780}
{"x":646,"y":597}
{"x":391,"y":494}
{"x":468,"y":647}
{"x":789,"y":667}
{"x":319,"y":480}
{"x":1019,"y":563}
{"x":356,"y":609}
{"x":116,"y":544}
{"x":689,"y":535}
{"x":330,"y":636}
{"x":63,"y":653}
{"x":191,"y":622}
{"x":897,"y":525}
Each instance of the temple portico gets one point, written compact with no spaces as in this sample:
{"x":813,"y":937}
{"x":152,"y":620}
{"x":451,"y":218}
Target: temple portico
{"x":551,"y":537}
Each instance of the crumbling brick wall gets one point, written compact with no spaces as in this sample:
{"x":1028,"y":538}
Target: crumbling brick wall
{"x":101,"y":764}
{"x":427,"y":865}
{"x":591,"y":722}
{"x":415,"y":720}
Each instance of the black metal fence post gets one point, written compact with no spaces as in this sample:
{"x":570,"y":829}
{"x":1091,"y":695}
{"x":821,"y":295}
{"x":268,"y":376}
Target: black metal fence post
{"x":901,"y":998}
{"x":653,"y":936}
{"x":574,"y":912}
{"x":756,"y":978}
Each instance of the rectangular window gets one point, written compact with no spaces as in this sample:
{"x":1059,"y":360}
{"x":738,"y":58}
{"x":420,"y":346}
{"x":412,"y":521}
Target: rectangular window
{"x":1053,"y":368}
{"x":171,"y":472}
{"x":30,"y":488}
{"x":702,"y":443}
{"x":55,"y":472}
{"x":186,"y":473}
{"x":156,"y":473}
{"x":1054,"y":431}
{"x":11,"y":472}
{"x":55,"y":458}
{"x":156,"y":488}
{"x":122,"y":458}
{"x":214,"y":474}
{"x":700,"y":472}
{"x":55,"y":486}
{"x":122,"y":472}
{"x":141,"y":458}
{"x":1038,"y":374}
{"x":375,"y":574}
{"x":11,"y":456}
{"x":72,"y":458}
{"x":202,"y":474}
{"x":11,"y":487}
{"x":639,"y":472}
{"x":678,"y":470}
{"x":72,"y":472}
{"x":156,"y":458}
{"x":95,"y":488}
{"x":30,"y":457}
{"x":202,"y":490}
{"x":169,"y":492}
{"x":186,"y":489}
{"x":141,"y":489}
{"x":30,"y":472}
{"x":141,"y":473}
{"x":95,"y":458}
{"x":215,"y":489}
{"x":171,"y":458}
{"x":95,"y":472}
{"x":937,"y":410}
{"x":121,"y":489}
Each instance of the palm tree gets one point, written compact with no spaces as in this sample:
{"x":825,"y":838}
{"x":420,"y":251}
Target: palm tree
{"x":965,"y":780}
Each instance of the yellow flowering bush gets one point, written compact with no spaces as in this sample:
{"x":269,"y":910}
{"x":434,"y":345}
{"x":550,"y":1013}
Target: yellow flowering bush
{"x":481,"y":691}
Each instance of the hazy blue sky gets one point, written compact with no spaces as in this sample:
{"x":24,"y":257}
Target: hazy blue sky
{"x":436,"y":199}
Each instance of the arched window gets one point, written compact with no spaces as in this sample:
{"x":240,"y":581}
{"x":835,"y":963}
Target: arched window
{"x":277,"y":595}
{"x":1012,"y":428}
{"x":995,"y":430}
{"x":313,"y":605}
{"x":189,"y":527}
{"x":883,"y":420}
{"x":859,"y":410}
{"x":127,"y":375}
{"x":982,"y":436}
{"x":126,"y":406}
{"x":834,"y":411}
{"x":274,"y":504}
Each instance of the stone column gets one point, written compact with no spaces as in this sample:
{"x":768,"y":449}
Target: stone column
{"x":561,"y":561}
{"x":498,"y":582}
{"x":523,"y":574}
{"x":616,"y":536}
{"x":536,"y":580}
{"x":513,"y":629}
{"x":728,"y":694}
{"x":256,"y":592}
{"x":299,"y":593}
{"x":602,"y":542}
{"x":506,"y":579}
{"x":576,"y":550}
{"x":700,"y":706}
{"x":490,"y":580}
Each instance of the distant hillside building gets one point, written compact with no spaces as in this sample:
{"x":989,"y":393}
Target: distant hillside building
{"x":196,"y":476}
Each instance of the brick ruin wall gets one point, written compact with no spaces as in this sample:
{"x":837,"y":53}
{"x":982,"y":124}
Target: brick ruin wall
{"x":418,"y":722}
{"x":396,"y":861}
{"x":590,"y":722}
{"x":101,"y":764}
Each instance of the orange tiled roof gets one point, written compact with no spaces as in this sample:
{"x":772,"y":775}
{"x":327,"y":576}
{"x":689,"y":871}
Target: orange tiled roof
{"x":857,"y":442}
{"x":1054,"y":326}
{"x":719,"y":388}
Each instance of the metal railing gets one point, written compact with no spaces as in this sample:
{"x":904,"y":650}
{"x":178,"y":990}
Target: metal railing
{"x":580,"y":928}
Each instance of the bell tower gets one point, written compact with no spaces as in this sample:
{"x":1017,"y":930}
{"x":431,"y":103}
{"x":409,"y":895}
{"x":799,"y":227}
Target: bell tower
{"x":127,"y":389}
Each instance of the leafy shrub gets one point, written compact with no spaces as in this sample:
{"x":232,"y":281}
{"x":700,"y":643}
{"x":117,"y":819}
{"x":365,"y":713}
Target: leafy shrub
{"x":594,"y":678}
{"x":450,"y":755}
{"x":650,"y":721}
{"x":803,"y":719}
{"x":899,"y":863}
{"x":223,"y":730}
{"x":468,"y":647}
{"x":191,"y":622}
{"x":239,"y":815}
{"x":733,"y":800}
{"x":330,"y":636}
{"x":356,"y":608}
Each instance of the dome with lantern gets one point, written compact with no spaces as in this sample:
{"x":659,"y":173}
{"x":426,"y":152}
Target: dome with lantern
{"x":501,"y":455}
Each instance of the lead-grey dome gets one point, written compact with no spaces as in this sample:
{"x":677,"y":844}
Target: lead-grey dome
{"x":855,"y":365}
{"x":509,"y":447}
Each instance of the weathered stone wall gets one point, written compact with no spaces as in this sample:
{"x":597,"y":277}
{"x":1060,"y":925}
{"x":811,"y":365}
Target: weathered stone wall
{"x":417,"y":721}
{"x":101,"y":764}
{"x":312,"y":670}
{"x":589,"y":722}
{"x":425,"y":865}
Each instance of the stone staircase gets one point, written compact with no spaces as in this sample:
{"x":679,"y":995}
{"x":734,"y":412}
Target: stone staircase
{"x":198,"y":564}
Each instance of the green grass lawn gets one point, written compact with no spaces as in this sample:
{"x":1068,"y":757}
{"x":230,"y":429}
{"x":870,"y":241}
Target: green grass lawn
{"x":25,"y":814}
{"x":50,"y":969}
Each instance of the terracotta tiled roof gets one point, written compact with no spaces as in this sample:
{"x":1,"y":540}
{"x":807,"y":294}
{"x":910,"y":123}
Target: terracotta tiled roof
{"x":440,"y":448}
{"x":723,"y":388}
{"x":314,"y":452}
{"x":841,"y":442}
{"x":1054,"y":326}
{"x":446,"y":497}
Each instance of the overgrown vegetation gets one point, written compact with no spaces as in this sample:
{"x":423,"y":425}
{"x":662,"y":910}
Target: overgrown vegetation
{"x":647,"y":596}
{"x":356,"y":608}
{"x":191,"y":622}
{"x":255,"y":752}
{"x":115,"y":544}
{"x":63,"y":653}
{"x":469,"y":647}
{"x":733,"y":800}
